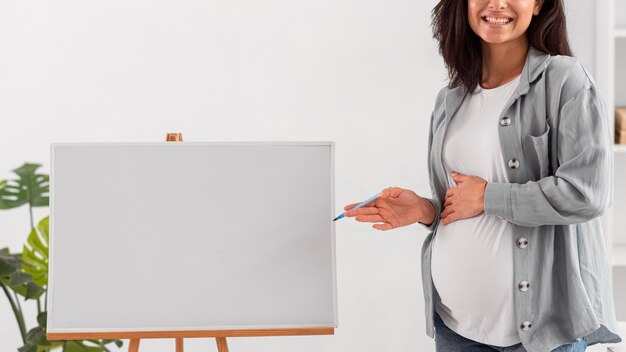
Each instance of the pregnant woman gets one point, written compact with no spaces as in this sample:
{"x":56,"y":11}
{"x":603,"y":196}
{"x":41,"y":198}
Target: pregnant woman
{"x":521,"y":169}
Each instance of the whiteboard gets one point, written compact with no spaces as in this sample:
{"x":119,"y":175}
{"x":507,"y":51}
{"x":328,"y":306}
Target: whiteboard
{"x":191,"y":236}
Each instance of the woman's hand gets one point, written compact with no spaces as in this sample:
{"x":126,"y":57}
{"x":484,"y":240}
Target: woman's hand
{"x":465,"y":200}
{"x":395,"y":207}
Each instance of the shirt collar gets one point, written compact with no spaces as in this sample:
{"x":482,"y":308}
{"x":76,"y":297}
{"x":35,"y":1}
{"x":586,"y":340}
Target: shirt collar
{"x":535,"y":65}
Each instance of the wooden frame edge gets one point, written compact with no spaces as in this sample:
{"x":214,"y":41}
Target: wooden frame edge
{"x":55,"y":336}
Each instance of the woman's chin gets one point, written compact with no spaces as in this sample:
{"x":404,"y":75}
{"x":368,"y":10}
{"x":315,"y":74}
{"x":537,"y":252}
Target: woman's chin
{"x":495,"y":39}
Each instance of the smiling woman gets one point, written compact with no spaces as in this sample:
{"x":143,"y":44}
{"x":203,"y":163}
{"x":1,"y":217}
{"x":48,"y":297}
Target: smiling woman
{"x":520,"y":167}
{"x":462,"y":30}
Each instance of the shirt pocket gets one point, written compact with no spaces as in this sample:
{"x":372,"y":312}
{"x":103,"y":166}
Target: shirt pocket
{"x":537,"y":152}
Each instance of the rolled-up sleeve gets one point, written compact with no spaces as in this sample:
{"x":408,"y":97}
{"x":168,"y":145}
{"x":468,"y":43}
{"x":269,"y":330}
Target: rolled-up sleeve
{"x":582,"y":185}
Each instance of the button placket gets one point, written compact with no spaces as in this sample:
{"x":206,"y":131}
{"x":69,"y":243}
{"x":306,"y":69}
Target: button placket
{"x":522,"y":242}
{"x":506,"y":121}
{"x":524,"y":285}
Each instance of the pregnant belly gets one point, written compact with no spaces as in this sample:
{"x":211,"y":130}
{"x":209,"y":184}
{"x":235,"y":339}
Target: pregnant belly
{"x":472,"y":264}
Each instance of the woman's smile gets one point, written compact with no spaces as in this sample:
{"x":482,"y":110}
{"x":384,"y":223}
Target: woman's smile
{"x":497,"y":21}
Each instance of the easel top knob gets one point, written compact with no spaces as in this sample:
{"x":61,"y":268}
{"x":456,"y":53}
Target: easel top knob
{"x":174,"y":137}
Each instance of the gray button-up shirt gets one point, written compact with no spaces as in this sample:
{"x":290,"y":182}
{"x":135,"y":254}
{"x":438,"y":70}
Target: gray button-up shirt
{"x":555,"y":139}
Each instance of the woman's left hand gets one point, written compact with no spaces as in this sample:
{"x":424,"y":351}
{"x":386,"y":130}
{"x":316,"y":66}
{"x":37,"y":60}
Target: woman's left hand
{"x":465,"y":200}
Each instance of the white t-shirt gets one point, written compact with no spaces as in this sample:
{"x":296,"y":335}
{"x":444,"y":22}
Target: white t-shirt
{"x":472,"y":259}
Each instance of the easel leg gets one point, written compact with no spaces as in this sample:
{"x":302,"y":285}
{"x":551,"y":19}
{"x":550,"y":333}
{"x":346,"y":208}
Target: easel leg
{"x":179,"y":345}
{"x":222,"y":346}
{"x":134,"y":345}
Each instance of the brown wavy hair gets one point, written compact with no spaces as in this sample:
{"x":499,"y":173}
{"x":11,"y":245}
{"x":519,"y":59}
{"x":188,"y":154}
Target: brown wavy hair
{"x":460,"y":46}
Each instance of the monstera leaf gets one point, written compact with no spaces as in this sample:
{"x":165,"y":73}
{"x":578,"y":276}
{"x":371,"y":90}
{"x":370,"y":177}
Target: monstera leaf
{"x":82,"y":346}
{"x":9,"y":263}
{"x":11,"y":275}
{"x":36,"y":341}
{"x":35,"y":253}
{"x":30,"y":188}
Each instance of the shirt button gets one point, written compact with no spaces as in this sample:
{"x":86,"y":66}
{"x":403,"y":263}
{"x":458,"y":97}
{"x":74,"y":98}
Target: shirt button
{"x":522,"y":242}
{"x":526,"y":325}
{"x":513,"y":163}
{"x":505,"y":121}
{"x":524,"y":285}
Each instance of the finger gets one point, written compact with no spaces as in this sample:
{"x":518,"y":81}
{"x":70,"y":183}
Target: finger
{"x":454,"y":216}
{"x":449,"y":194}
{"x":350,"y":206}
{"x":369,"y":218}
{"x":392,"y":192}
{"x":447,"y":211}
{"x":444,"y":221}
{"x":383,"y":227}
{"x":362,"y":211}
{"x":448,"y":201}
{"x":458,"y":178}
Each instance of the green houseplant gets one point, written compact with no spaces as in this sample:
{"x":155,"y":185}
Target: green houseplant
{"x":25,"y":274}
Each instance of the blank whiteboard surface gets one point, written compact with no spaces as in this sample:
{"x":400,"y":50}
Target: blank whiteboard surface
{"x":191,"y":236}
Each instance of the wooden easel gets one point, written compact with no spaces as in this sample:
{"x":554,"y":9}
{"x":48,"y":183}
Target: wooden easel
{"x":219,"y":335}
{"x":222,"y":346}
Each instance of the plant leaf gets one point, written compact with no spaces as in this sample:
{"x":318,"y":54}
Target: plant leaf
{"x":36,"y":341}
{"x":35,"y":242}
{"x":42,"y":319}
{"x":28,"y":348}
{"x":79,"y":346}
{"x":44,"y":226}
{"x":32,"y":260}
{"x":37,"y":336}
{"x":29,"y":291}
{"x":35,"y":253}
{"x":29,"y":188}
{"x":20,"y":278}
{"x":118,"y":343}
{"x":53,"y":345}
{"x":8,"y":263}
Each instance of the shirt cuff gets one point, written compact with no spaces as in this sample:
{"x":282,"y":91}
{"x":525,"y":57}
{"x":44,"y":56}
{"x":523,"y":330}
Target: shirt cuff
{"x":498,"y":200}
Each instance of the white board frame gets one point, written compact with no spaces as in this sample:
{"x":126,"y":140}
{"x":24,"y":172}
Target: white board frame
{"x":51,"y":327}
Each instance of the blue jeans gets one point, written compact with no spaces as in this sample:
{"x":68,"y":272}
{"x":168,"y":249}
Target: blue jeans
{"x":446,"y":340}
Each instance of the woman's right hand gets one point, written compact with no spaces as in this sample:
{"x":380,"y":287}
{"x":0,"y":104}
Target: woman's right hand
{"x":395,"y":207}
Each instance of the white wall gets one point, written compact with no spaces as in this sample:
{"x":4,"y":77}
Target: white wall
{"x":363,"y":73}
{"x":620,"y":73}
{"x":620,"y":14}
{"x":581,"y":30}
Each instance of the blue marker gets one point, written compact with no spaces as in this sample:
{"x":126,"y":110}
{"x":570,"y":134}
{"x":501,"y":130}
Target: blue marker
{"x":365,"y":202}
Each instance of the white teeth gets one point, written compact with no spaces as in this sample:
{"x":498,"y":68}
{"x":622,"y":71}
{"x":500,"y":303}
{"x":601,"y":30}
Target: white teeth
{"x":495,"y":20}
